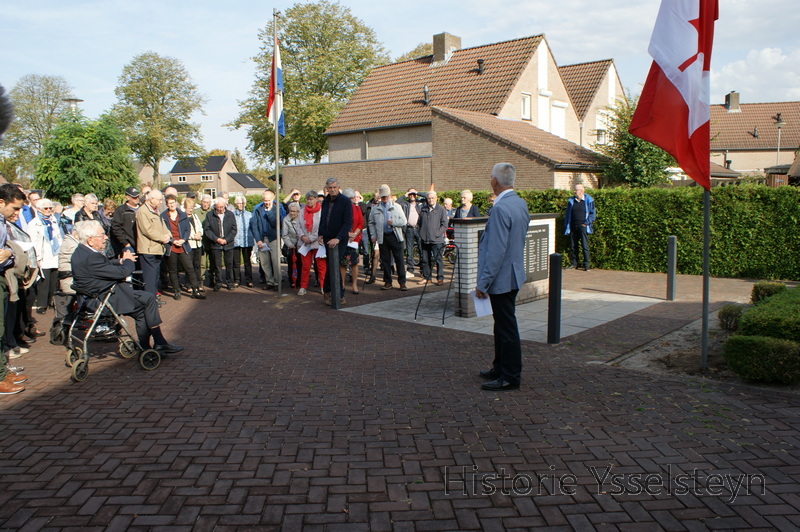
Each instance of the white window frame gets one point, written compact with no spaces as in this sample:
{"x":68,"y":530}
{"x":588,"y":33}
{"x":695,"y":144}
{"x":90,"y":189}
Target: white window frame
{"x":181,"y":179}
{"x":558,"y":118}
{"x":211,"y":192}
{"x":525,"y":102}
{"x":207,"y":178}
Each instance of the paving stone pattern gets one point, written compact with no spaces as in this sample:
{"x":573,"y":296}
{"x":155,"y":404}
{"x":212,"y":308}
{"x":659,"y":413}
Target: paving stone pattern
{"x":286,"y":415}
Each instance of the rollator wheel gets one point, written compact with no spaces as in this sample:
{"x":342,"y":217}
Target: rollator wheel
{"x":57,"y":336}
{"x":80,"y":370}
{"x":149,"y":359}
{"x":73,"y":356}
{"x":128,"y":349}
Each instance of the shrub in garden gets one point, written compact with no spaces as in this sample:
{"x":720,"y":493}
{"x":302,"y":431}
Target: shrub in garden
{"x":765,"y":289}
{"x":728,"y":317}
{"x":763,"y":359}
{"x":778,"y":317}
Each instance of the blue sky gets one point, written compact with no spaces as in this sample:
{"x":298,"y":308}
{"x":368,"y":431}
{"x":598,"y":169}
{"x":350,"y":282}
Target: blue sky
{"x":756,"y":49}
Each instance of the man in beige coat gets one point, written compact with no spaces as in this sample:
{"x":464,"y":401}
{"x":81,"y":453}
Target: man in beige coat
{"x":151,"y":235}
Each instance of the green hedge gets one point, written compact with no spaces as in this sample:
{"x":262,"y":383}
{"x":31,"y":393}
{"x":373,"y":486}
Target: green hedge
{"x":755,"y":230}
{"x":764,"y":289}
{"x":764,"y":359}
{"x":777,"y":317}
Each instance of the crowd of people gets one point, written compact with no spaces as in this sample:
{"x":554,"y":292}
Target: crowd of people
{"x":184,"y":245}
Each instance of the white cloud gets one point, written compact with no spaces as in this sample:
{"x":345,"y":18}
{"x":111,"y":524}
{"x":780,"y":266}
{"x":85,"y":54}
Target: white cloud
{"x":765,"y":75}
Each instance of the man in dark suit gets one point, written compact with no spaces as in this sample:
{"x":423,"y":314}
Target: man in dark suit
{"x":219,"y":228}
{"x":335,"y":223}
{"x":501,"y":273}
{"x":95,"y":273}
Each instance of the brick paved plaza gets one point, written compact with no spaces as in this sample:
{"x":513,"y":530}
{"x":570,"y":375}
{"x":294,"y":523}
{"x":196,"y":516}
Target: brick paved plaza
{"x":283,"y":414}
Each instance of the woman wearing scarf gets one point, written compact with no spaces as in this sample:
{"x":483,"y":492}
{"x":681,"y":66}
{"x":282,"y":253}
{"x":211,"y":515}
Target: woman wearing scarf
{"x":309,"y":235}
{"x":46,"y":236}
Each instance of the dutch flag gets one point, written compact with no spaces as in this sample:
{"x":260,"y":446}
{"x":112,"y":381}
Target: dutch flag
{"x":275,"y":104}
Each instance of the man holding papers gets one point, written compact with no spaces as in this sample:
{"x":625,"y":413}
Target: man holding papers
{"x":501,"y":273}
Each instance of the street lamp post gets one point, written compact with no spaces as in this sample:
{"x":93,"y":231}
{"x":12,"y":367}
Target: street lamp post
{"x":780,"y":123}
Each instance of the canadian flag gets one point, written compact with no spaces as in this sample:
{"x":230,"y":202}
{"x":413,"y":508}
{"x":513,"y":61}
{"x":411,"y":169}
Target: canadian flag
{"x":673,"y":111}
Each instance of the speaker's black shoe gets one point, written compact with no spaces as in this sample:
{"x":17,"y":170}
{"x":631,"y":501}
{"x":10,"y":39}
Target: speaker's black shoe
{"x":490,"y":374}
{"x":499,"y":385}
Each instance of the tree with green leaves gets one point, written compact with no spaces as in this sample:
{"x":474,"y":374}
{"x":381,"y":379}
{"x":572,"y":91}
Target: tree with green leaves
{"x":156,"y":98}
{"x":39,"y":102}
{"x":631,"y":161}
{"x":326,"y":52}
{"x":85,"y":156}
{"x":421,"y":50}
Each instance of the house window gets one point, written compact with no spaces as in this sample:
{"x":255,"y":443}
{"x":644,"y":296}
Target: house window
{"x":526,"y":106}
{"x":211,"y":192}
{"x":544,"y":111}
{"x":558,"y":119}
{"x":181,"y":179}
{"x":601,"y":136}
{"x":207,"y":178}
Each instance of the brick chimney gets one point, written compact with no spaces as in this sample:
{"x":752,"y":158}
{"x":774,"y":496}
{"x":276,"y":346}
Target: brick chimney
{"x":732,"y":102}
{"x":444,"y":45}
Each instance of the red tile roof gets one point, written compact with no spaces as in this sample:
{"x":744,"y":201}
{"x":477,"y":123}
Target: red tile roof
{"x":392,"y":95}
{"x":582,"y":81}
{"x":736,"y":131}
{"x":525,"y":137}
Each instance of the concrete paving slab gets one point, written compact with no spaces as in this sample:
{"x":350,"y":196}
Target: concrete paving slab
{"x":580,"y":311}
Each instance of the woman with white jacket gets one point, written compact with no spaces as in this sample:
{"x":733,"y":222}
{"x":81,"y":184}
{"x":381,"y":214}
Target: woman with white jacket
{"x":309,"y":238}
{"x":46,"y":237}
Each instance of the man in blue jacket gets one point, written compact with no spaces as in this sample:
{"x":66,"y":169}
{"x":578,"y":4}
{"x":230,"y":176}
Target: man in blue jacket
{"x":501,"y":273}
{"x":578,"y":225}
{"x":262,"y":227}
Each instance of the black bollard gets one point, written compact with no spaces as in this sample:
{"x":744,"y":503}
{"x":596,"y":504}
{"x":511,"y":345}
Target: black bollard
{"x":333,"y":268}
{"x":672,"y":266}
{"x":554,"y":301}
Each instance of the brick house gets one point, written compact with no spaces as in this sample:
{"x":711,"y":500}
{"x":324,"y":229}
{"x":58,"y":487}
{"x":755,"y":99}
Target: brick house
{"x":744,"y":136}
{"x":443,"y":120}
{"x":213,"y":175}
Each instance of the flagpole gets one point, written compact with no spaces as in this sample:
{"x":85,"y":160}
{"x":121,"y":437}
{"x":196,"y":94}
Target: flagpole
{"x":706,"y":277}
{"x":276,"y":261}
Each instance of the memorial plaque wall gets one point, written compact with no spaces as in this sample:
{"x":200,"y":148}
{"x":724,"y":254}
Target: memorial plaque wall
{"x":537,"y":244}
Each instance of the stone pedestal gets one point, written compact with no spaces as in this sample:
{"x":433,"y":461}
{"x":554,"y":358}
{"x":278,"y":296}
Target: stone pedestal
{"x":541,"y":242}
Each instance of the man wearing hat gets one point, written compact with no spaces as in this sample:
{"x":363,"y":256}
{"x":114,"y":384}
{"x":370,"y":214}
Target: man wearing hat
{"x":387,"y":224}
{"x":123,"y":223}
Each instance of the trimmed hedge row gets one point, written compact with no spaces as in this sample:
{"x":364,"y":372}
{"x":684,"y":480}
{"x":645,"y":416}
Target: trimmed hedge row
{"x":755,"y":230}
{"x":765,"y":359}
{"x":776,"y":317}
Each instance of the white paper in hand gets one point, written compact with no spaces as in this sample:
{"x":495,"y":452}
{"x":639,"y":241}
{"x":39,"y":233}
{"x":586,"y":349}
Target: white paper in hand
{"x":483,"y":307}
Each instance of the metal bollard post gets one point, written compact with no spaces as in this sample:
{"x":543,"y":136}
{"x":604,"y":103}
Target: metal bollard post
{"x":333,"y":267}
{"x":554,"y":301}
{"x":672,"y":266}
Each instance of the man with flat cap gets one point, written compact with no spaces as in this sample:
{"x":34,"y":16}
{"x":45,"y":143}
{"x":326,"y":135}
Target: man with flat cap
{"x":123,"y":223}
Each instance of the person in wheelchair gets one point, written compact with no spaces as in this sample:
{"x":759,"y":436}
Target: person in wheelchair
{"x":94,"y":273}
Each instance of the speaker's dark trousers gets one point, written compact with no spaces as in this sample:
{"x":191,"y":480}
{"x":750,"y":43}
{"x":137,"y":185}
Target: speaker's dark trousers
{"x":507,"y":345}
